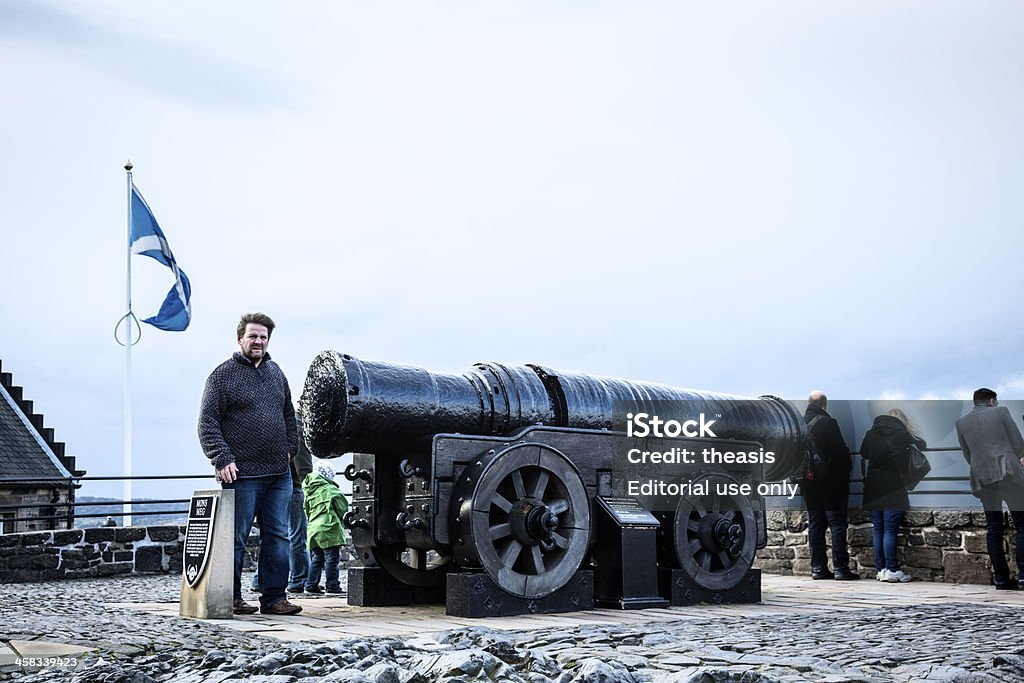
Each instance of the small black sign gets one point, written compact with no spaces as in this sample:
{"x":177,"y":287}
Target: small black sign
{"x":627,"y":512}
{"x":198,"y":537}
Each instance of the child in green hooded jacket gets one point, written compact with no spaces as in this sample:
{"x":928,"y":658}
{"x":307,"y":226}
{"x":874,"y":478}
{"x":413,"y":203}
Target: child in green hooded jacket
{"x":325,"y":505}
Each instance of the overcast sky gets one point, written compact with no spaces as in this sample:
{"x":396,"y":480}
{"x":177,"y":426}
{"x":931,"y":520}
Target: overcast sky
{"x":762,"y":197}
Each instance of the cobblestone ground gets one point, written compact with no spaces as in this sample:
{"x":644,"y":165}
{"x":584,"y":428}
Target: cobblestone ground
{"x":954,"y":642}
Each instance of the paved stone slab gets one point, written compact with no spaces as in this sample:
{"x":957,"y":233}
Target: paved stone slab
{"x":41,"y":648}
{"x":8,"y":659}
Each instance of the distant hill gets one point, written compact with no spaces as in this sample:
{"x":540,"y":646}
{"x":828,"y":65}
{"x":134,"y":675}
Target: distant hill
{"x":115,"y":509}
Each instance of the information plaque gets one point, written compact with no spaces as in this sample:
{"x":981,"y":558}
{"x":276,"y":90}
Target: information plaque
{"x":198,"y":536}
{"x":627,"y":512}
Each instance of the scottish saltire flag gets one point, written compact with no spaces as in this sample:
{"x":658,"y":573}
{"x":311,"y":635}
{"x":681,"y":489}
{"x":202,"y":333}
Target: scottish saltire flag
{"x":148,"y":239}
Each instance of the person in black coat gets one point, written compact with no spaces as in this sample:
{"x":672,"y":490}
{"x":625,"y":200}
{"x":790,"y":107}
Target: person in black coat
{"x":826,"y":497}
{"x":885,"y":450}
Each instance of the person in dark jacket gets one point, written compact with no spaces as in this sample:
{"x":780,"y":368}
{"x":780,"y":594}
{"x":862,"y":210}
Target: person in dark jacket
{"x":826,"y":496}
{"x":247,"y":430}
{"x":885,"y":450}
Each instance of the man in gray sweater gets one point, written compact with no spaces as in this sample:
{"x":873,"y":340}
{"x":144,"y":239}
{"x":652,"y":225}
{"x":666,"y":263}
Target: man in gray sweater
{"x":994,"y":449}
{"x":247,"y":430}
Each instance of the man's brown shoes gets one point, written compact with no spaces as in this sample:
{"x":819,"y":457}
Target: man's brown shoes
{"x":242,"y":607}
{"x":281,"y":607}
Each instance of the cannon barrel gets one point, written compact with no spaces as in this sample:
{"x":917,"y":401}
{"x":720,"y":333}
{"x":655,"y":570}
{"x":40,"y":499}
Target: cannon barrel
{"x":356,"y":406}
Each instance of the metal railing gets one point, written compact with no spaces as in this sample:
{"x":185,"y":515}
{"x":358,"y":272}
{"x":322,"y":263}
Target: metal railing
{"x":856,"y":481}
{"x":71,"y":513}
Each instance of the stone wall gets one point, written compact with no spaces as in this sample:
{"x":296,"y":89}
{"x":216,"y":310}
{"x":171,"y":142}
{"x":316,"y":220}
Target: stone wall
{"x":85,"y":553}
{"x":939,"y":545}
{"x":103,"y":551}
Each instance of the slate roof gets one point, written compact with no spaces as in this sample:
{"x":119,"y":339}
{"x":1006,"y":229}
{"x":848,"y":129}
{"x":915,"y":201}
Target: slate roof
{"x":27,"y":447}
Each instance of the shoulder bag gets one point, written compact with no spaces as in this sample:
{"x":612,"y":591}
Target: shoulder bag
{"x":915,"y":468}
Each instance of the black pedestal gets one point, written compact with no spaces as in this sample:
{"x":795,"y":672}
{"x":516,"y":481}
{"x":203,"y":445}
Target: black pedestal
{"x":474,"y":594}
{"x":626,"y":576}
{"x":375,"y":587}
{"x":679,"y":588}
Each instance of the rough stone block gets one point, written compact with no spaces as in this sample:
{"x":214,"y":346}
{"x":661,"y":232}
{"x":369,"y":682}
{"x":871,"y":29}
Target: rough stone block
{"x":796,"y":539}
{"x":967,"y":568}
{"x":978,"y":518}
{"x":974,"y":542}
{"x":923,"y":574}
{"x":163,"y":534}
{"x":174,"y":563}
{"x":127,"y":534}
{"x":19,"y":562}
{"x":784,"y":567}
{"x":99,"y":534}
{"x":952,"y":519}
{"x":943,"y":539}
{"x":776,"y":520}
{"x":122,"y":556}
{"x":36,"y":538}
{"x":865,"y":558}
{"x":930,"y":558}
{"x":108,"y":556}
{"x":67,"y":564}
{"x":915,"y":537}
{"x":9,"y":540}
{"x":69,"y":537}
{"x":53,"y":574}
{"x":796,"y":521}
{"x":861,"y":536}
{"x":782,"y":553}
{"x":149,"y":558}
{"x":802,"y":552}
{"x":45,"y":562}
{"x":918,"y":518}
{"x":776,"y":538}
{"x":800,"y":567}
{"x":27,"y":575}
{"x":114,"y":568}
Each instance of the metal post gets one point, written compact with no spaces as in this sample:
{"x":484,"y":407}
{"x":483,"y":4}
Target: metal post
{"x":127,"y":485}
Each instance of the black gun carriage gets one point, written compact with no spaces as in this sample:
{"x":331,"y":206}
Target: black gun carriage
{"x":502,"y":489}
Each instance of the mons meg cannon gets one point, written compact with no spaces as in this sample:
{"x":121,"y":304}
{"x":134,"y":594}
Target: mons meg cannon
{"x":519,"y":488}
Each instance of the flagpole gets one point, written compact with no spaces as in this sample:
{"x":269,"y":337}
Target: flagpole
{"x":127,"y":489}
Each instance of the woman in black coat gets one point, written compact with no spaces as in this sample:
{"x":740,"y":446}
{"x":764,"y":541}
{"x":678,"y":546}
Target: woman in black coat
{"x":885,"y":449}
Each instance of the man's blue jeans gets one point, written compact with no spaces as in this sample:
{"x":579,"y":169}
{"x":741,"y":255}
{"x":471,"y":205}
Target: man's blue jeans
{"x":886,"y":526}
{"x":298,"y":558}
{"x":265,"y":499}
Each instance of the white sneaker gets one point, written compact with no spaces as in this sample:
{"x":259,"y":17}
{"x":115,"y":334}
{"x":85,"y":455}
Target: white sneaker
{"x":898,"y":577}
{"x":882,"y":575}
